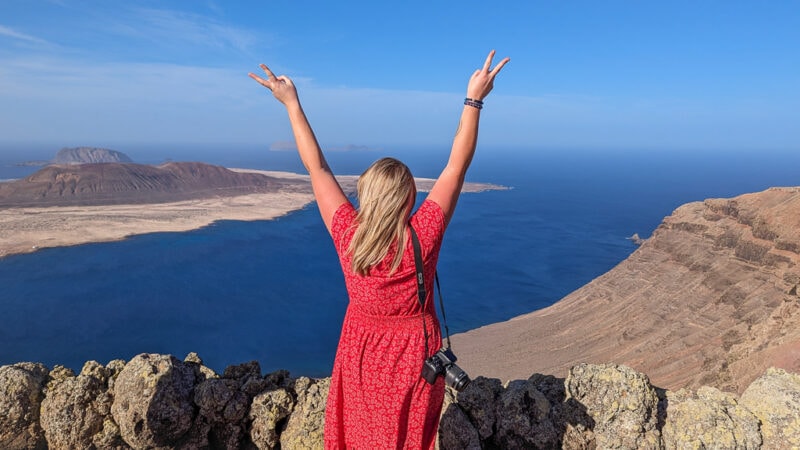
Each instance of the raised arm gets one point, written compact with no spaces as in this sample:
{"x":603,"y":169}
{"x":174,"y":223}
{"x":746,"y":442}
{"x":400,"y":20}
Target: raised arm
{"x":328,"y":193}
{"x":447,"y":188}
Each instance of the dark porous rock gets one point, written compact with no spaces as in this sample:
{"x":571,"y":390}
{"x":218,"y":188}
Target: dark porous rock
{"x":708,"y":418}
{"x":268,"y":413}
{"x":775,"y":399}
{"x":478,"y":399}
{"x":248,"y":378}
{"x":570,"y":420}
{"x":153,"y":402}
{"x":622,"y":403}
{"x":223,"y":406}
{"x":305,"y":426}
{"x":20,"y":398}
{"x":201,"y":372}
{"x":456,"y":432}
{"x":523,"y":418}
{"x":253,"y":386}
{"x":243,"y":371}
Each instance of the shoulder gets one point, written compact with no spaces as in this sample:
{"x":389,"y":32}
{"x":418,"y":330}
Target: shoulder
{"x":429,"y":215}
{"x":342,"y":223}
{"x":429,"y":223}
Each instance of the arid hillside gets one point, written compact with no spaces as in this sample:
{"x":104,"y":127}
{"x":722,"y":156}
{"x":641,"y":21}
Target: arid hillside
{"x":710,"y":299}
{"x":128,"y":183}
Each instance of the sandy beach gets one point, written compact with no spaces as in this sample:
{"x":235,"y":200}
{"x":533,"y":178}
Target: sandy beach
{"x":25,"y":230}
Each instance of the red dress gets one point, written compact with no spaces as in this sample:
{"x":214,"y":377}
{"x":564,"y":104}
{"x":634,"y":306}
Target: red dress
{"x":377,"y":398}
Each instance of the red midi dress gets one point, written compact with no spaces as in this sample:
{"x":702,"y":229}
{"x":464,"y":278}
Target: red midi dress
{"x":377,"y":398}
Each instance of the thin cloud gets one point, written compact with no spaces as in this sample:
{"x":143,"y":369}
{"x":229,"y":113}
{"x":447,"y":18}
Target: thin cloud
{"x":194,"y":29}
{"x":5,"y":31}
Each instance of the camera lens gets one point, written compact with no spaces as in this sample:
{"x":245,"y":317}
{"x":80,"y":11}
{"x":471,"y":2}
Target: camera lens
{"x":456,"y":378}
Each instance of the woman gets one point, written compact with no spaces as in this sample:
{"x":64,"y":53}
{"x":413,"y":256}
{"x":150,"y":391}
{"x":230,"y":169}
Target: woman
{"x":377,"y":397}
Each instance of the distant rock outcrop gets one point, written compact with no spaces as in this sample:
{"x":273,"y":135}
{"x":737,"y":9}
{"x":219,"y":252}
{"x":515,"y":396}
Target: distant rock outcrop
{"x":158,"y":401}
{"x":711,"y":298}
{"x":86,"y":155}
{"x":128,"y":183}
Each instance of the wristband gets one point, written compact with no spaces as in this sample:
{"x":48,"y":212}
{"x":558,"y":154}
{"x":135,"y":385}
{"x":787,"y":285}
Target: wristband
{"x":474,"y":103}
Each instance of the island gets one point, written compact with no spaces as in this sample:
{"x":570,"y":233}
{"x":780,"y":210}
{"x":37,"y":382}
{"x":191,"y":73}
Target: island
{"x":72,"y":204}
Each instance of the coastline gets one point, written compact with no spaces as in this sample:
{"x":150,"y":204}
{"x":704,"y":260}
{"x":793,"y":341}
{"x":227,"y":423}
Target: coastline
{"x":25,"y":230}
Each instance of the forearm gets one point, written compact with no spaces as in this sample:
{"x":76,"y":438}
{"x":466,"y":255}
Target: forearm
{"x":307,"y":145}
{"x":465,"y":140}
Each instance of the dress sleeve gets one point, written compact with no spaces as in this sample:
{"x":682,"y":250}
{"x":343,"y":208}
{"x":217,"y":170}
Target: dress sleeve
{"x":341,"y":226}
{"x":429,"y":223}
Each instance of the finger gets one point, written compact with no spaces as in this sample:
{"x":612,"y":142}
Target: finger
{"x":261,"y":81}
{"x":488,"y":62}
{"x":257,"y":78}
{"x":499,"y":66}
{"x":284,"y":79}
{"x":269,"y":73}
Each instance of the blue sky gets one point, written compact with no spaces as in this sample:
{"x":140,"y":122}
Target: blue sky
{"x":700,"y":75}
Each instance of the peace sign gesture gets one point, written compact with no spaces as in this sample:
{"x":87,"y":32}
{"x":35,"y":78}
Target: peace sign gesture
{"x":482,"y":81}
{"x":282,"y":87}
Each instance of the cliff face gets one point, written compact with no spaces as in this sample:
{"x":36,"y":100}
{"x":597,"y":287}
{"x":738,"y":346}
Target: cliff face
{"x":125,"y":183}
{"x":710,"y":299}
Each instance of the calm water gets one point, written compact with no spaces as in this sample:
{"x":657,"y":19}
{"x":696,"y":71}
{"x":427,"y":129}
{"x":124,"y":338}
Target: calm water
{"x":273,"y":291}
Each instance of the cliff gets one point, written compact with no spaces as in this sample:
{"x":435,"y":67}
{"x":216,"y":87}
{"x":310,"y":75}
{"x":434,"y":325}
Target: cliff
{"x":710,"y":299}
{"x":158,"y":401}
{"x":127,"y":183}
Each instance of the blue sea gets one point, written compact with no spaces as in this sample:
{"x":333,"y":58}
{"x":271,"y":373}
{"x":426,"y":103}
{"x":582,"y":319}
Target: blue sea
{"x":272,"y":291}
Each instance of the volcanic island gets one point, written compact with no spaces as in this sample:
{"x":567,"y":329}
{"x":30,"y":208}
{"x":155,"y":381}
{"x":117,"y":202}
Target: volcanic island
{"x":70,"y":201}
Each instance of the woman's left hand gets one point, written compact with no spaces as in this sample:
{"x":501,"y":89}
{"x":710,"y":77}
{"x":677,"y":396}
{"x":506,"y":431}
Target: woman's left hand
{"x":482,"y":81}
{"x":282,"y":87}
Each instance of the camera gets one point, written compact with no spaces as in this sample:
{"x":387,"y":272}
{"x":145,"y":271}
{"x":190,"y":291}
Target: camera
{"x":444,"y":363}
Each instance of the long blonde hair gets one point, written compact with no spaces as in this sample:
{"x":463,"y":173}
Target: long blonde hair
{"x":385,"y":196}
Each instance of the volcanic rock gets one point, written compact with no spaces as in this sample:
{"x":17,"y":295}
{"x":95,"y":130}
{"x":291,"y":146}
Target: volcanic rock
{"x":20,"y":398}
{"x":159,"y":402}
{"x":76,"y":411}
{"x":774,"y":398}
{"x":708,"y":418}
{"x":305,"y":426}
{"x":153,"y":401}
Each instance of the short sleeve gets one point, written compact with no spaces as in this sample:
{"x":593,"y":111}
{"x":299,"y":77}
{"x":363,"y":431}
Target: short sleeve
{"x":429,"y":223}
{"x":342,"y":226}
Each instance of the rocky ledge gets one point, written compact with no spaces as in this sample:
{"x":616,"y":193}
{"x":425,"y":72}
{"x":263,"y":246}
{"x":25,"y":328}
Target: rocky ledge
{"x":157,"y":401}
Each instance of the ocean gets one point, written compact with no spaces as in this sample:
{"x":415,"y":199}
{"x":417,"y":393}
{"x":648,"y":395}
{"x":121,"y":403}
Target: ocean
{"x":272,"y":291}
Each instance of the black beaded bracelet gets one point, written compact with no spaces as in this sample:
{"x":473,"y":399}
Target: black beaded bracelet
{"x":474,"y":103}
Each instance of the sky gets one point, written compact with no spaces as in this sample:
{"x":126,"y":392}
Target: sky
{"x":634,"y":75}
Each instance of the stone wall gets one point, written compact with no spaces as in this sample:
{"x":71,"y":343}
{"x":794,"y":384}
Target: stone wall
{"x":159,"y":402}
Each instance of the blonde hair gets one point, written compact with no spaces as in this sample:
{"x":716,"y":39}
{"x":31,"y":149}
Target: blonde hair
{"x":385,"y":196}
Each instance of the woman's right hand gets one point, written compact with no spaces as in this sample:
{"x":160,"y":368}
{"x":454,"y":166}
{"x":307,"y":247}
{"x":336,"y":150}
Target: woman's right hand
{"x":482,"y":81}
{"x":282,"y":87}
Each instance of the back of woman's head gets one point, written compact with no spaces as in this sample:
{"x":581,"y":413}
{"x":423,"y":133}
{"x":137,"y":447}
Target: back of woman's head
{"x":386,"y":193}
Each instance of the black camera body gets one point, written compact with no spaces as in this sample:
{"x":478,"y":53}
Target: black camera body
{"x":444,"y":363}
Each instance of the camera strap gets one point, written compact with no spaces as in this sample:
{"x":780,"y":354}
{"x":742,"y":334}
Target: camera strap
{"x":421,"y":288}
